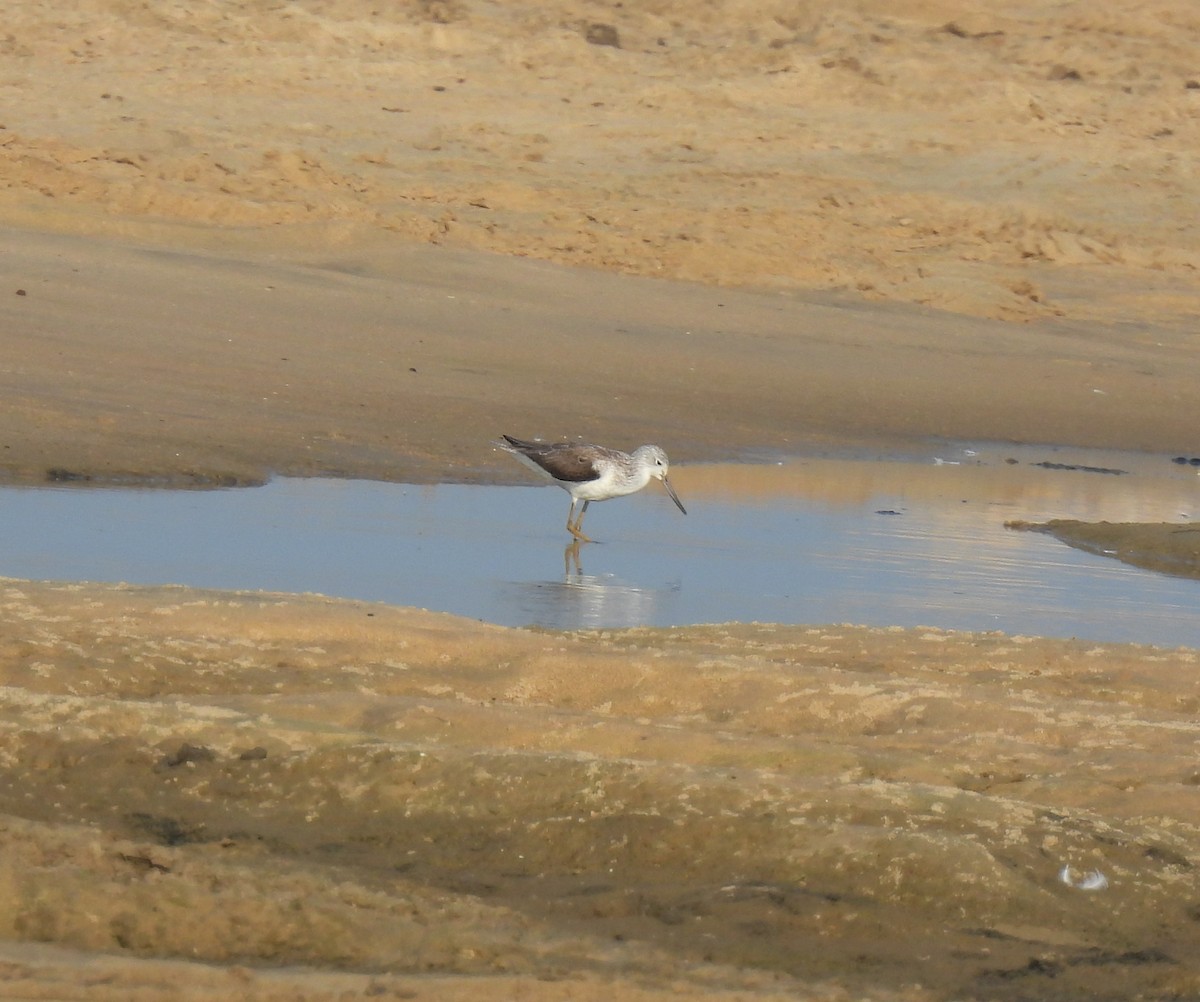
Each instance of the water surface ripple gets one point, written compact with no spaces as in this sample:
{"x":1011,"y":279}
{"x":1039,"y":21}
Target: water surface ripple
{"x":813,"y":541}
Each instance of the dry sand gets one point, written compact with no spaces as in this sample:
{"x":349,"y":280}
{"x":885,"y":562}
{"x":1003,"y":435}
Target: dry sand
{"x":358,"y":239}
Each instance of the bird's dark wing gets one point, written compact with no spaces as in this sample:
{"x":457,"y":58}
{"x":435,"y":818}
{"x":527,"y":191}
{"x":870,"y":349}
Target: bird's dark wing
{"x":569,"y":463}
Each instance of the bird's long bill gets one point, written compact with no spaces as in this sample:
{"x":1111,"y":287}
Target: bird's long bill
{"x":674,"y":496}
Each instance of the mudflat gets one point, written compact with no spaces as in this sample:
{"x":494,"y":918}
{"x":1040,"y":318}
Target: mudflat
{"x":244,"y":241}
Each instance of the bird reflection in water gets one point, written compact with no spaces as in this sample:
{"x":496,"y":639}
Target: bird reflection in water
{"x":586,"y":601}
{"x":571,"y":564}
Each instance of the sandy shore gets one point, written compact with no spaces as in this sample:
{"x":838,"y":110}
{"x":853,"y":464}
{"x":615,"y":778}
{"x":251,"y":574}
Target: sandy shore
{"x":734,"y":811}
{"x":251,"y":241}
{"x":338,"y":239}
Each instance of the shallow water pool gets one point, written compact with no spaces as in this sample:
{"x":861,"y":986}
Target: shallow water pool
{"x":808,"y":541}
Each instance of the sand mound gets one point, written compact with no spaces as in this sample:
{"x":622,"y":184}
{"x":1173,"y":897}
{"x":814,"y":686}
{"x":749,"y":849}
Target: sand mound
{"x":1014,"y":164}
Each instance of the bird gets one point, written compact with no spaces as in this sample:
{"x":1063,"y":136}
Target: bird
{"x":592,"y":472}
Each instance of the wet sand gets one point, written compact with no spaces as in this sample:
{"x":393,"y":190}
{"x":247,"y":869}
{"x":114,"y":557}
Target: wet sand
{"x":139,"y":364}
{"x":1165,"y":547}
{"x":735,"y":810}
{"x":330,"y":239}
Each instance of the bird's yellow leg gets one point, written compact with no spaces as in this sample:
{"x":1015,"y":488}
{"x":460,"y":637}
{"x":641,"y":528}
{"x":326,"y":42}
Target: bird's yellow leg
{"x":575,"y":528}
